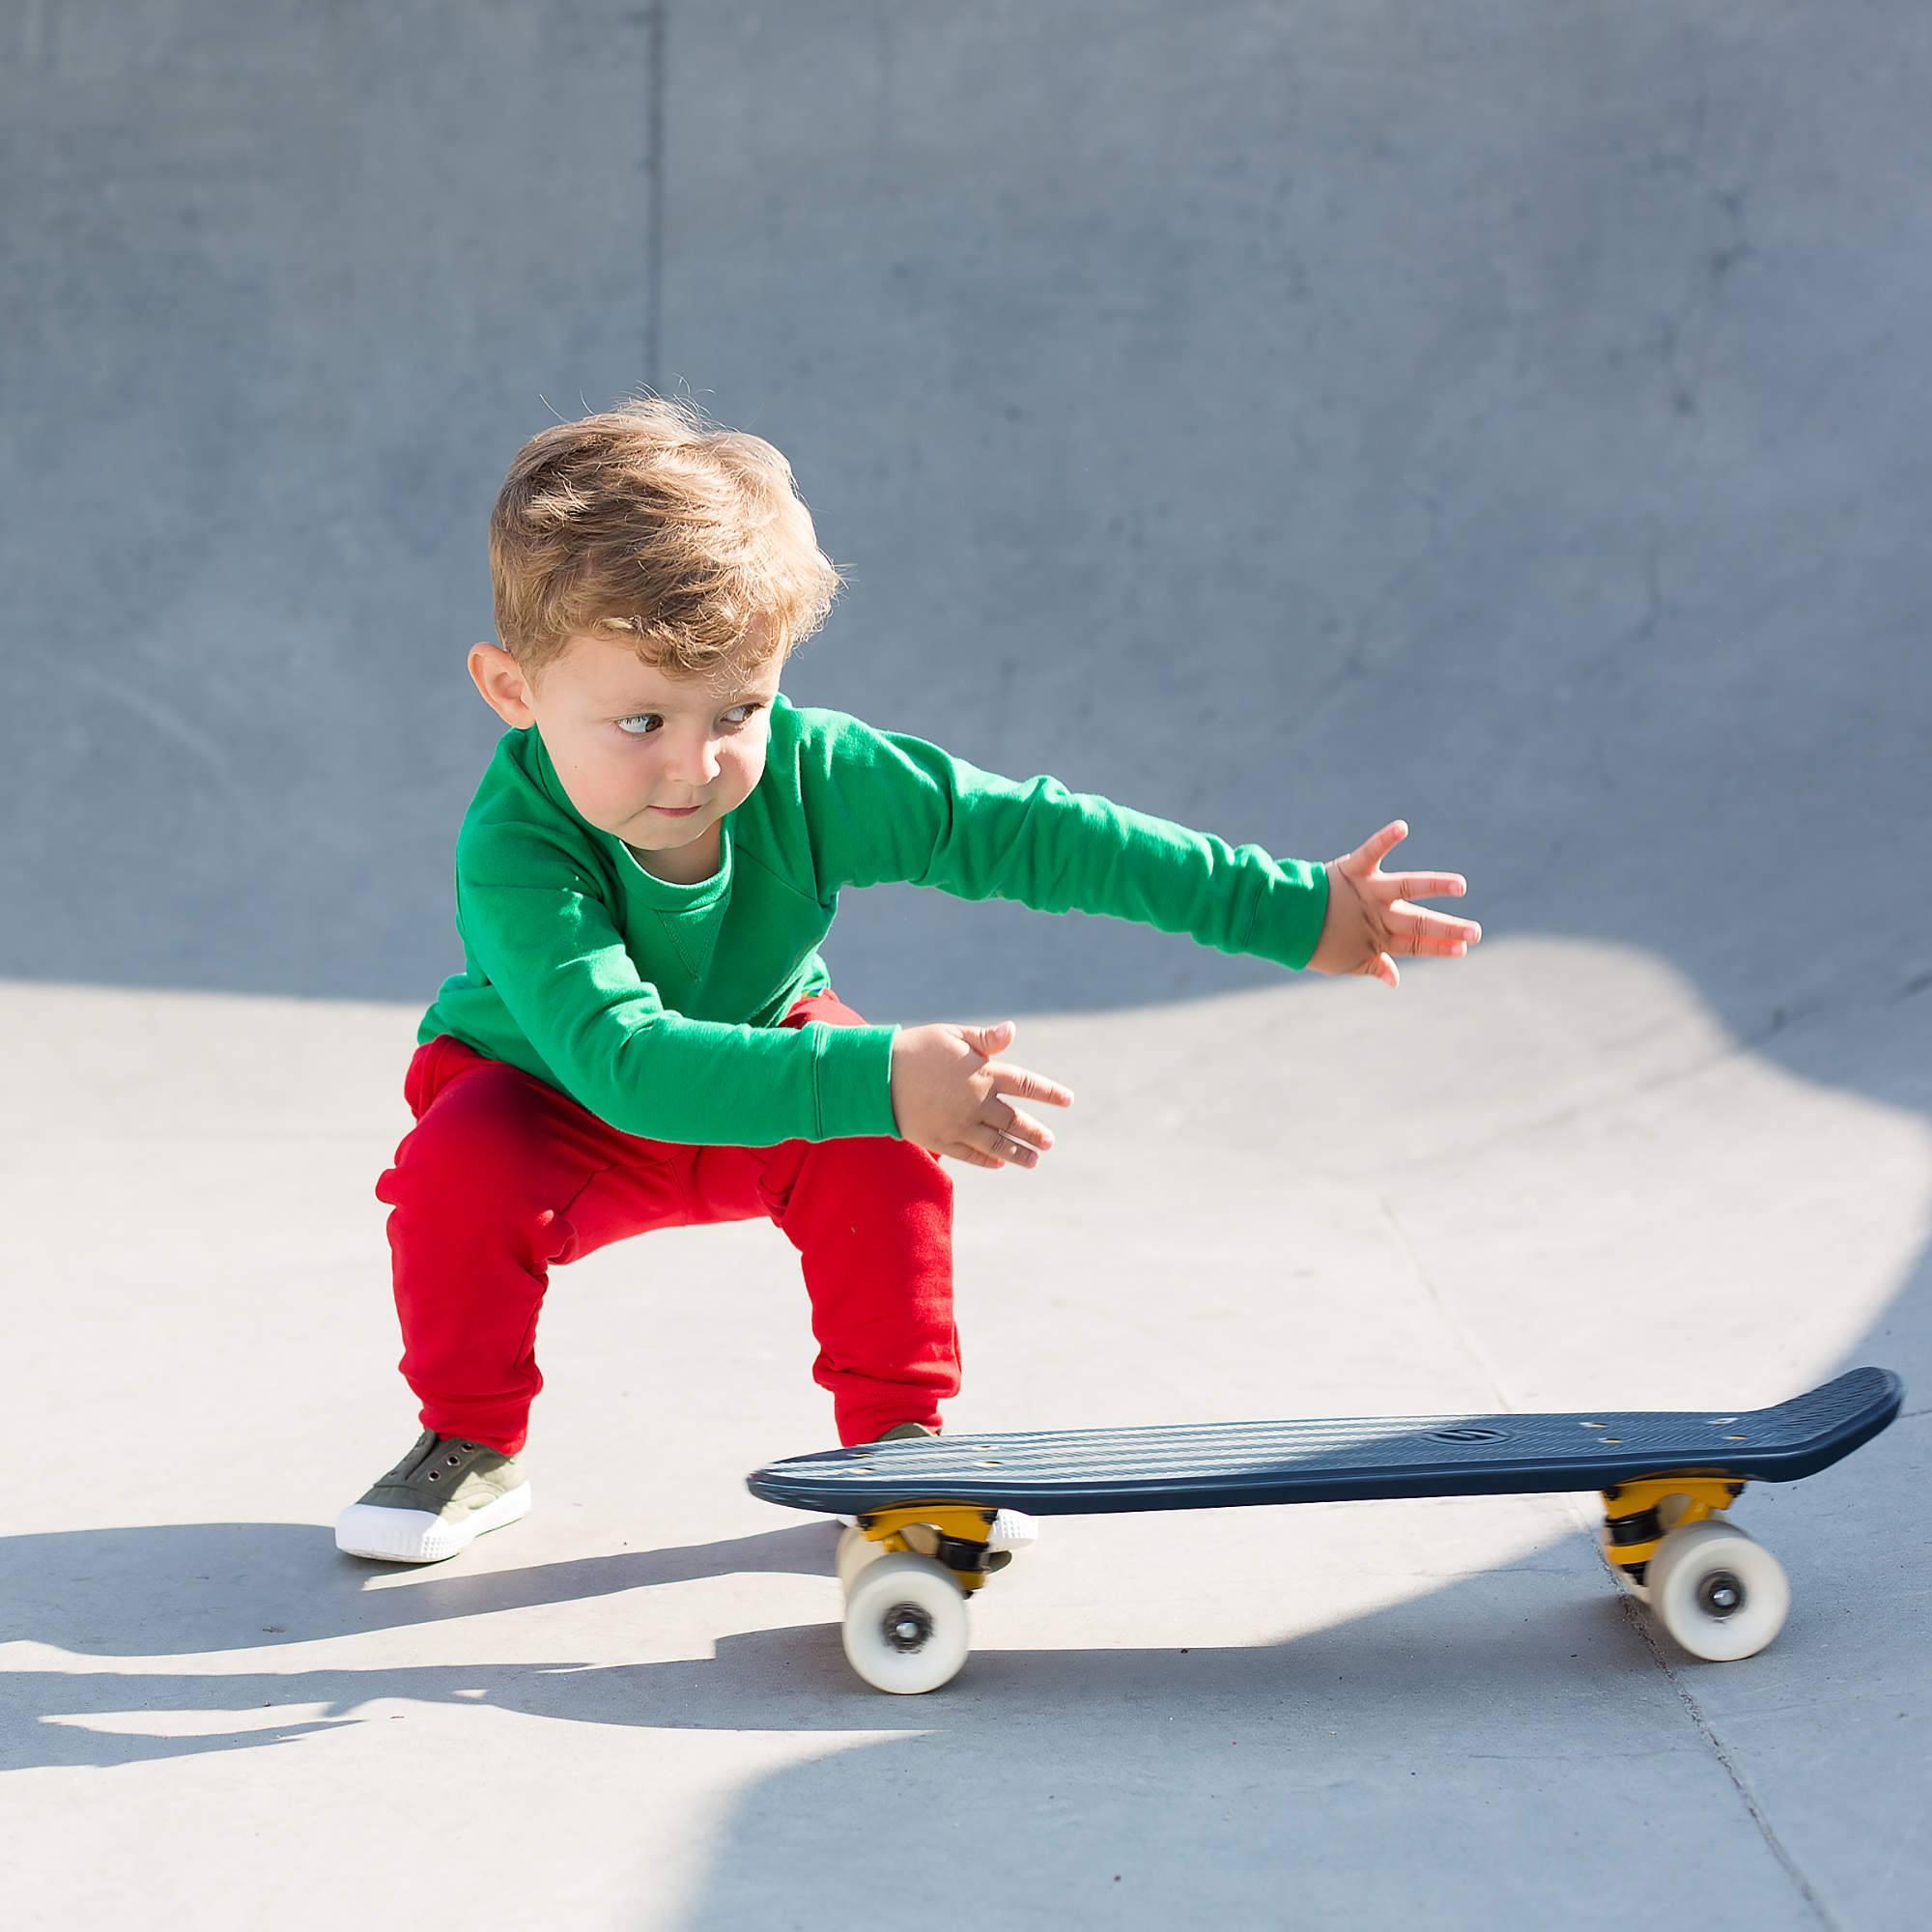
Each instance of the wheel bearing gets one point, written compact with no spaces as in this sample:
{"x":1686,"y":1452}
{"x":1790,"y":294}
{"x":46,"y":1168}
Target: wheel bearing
{"x":1720,"y":1595}
{"x":907,"y":1628}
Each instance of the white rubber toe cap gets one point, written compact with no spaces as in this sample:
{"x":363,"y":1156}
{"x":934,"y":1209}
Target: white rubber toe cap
{"x":415,"y":1536}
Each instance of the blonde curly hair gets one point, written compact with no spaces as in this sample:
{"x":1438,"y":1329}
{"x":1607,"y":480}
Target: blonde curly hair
{"x":652,"y":522}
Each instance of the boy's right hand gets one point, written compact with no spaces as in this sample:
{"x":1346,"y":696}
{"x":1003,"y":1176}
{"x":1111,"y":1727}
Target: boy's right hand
{"x":946,"y":1095}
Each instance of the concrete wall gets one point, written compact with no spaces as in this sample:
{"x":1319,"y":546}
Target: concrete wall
{"x":1510,"y":417}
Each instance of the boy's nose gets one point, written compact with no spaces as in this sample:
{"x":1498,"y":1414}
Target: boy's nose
{"x":697,"y":761}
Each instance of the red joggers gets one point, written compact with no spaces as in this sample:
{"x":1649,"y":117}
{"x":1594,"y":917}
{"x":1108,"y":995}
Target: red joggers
{"x":502,"y":1175}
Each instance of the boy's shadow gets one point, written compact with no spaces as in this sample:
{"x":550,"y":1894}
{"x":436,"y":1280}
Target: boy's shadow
{"x":189,"y":1589}
{"x":196,"y":1589}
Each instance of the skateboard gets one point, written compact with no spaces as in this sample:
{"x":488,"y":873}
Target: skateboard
{"x":925,"y":1510}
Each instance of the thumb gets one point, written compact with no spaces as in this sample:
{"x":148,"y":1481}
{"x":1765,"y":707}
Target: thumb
{"x":988,"y":1040}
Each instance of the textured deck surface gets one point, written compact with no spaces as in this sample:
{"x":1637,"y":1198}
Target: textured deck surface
{"x":1078,"y":1471}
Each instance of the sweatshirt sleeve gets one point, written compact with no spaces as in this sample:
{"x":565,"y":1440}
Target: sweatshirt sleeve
{"x":887,"y":806}
{"x":533,"y":924}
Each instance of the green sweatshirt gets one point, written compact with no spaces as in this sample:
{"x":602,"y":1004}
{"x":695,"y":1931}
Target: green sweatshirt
{"x":655,"y":1005}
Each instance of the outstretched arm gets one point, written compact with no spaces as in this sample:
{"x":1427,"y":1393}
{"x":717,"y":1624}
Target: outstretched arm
{"x":1369,"y":919}
{"x":882,"y":806}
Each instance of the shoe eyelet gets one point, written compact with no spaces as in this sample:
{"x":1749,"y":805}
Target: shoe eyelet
{"x":436,"y":1475}
{"x":452,"y":1461}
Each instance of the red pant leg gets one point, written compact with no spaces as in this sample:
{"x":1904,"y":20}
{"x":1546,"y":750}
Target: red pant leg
{"x":492,"y":1185}
{"x":872,"y":1218}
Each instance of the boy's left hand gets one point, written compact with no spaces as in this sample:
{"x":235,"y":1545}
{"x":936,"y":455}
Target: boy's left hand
{"x":1368,"y":918}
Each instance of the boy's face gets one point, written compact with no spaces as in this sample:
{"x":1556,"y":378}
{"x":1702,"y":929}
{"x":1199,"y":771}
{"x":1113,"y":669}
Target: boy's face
{"x":633,"y":744}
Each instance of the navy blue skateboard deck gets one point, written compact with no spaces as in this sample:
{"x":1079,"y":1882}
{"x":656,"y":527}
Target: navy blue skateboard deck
{"x":1667,"y":1477}
{"x":1218,"y":1464}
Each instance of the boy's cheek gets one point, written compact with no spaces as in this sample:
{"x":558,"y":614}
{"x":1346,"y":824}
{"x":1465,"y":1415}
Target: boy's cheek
{"x":754,"y":769}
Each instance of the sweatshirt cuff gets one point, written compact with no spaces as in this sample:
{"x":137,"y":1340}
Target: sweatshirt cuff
{"x":1289,"y":916}
{"x":852,"y":1081}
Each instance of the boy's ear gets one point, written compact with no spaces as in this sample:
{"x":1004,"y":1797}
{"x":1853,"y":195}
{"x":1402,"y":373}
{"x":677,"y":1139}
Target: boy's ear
{"x":501,"y":679}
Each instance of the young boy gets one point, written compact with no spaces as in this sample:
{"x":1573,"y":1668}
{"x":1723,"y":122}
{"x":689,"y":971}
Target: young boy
{"x":644,"y":1034}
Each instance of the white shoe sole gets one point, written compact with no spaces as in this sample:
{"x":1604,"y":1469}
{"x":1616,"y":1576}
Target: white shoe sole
{"x":1013,"y":1529}
{"x":415,"y":1536}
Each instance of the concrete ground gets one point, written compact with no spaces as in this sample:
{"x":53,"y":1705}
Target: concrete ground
{"x":1280,"y":417}
{"x":1553,"y":1181}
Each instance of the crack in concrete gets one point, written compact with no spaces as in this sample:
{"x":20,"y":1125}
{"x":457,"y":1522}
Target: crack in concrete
{"x":654,"y":215}
{"x":1632,"y":1613}
{"x":1639,"y":1621}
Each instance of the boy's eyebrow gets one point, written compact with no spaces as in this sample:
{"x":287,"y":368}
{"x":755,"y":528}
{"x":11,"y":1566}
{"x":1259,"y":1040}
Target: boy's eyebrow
{"x":728,"y":700}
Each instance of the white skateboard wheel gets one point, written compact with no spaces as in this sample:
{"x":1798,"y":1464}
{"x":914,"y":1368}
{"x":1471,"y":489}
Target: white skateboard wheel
{"x":905,"y":1625}
{"x":1628,"y":1583}
{"x":857,"y":1553}
{"x":1717,"y":1591}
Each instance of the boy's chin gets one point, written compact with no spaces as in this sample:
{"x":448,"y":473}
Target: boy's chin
{"x":653,"y":828}
{"x":652,"y":832}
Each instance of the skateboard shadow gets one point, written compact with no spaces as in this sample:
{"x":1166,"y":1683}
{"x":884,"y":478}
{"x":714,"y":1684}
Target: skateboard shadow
{"x":796,"y":1679}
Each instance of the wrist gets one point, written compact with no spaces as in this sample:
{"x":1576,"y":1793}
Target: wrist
{"x":854,"y":1081}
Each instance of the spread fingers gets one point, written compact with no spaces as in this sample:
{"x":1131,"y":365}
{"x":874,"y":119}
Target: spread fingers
{"x":1007,"y":1079}
{"x":1017,"y":1138}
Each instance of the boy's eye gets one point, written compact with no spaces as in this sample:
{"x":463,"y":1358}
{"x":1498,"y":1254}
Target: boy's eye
{"x":647,"y":721}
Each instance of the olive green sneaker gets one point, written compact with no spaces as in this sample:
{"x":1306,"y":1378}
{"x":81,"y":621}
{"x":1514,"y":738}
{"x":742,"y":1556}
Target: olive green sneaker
{"x":438,"y":1499}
